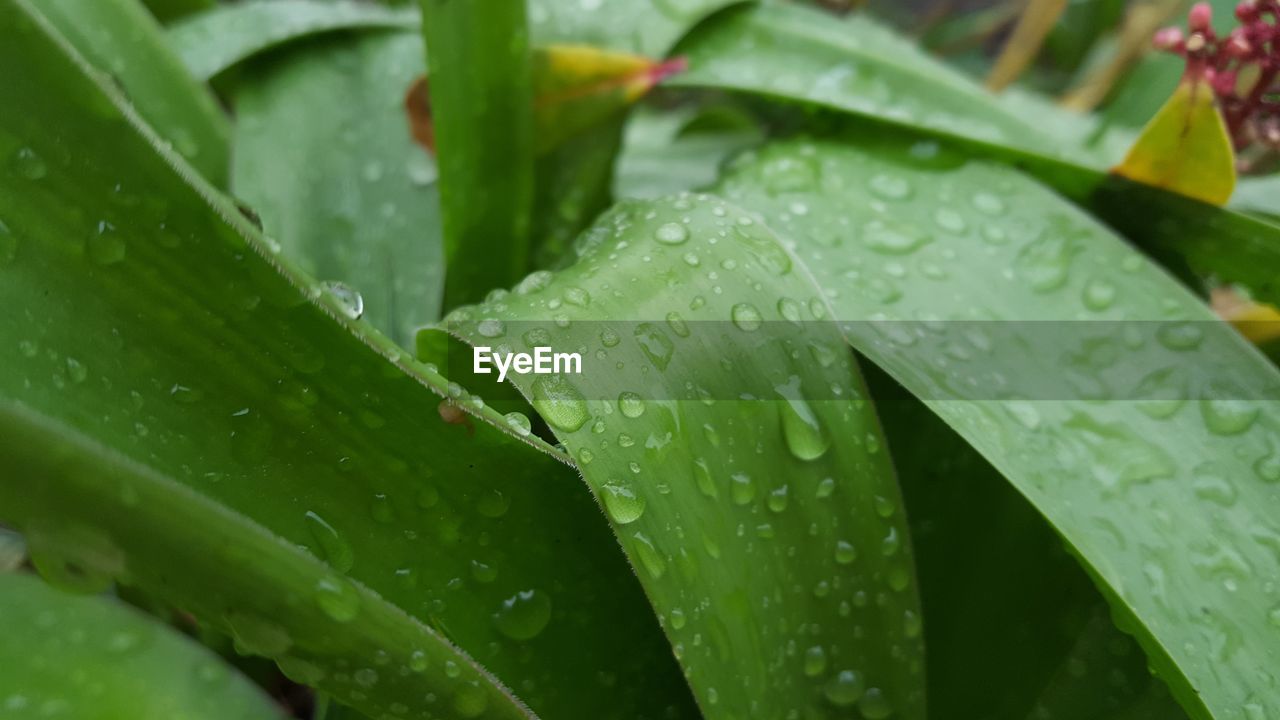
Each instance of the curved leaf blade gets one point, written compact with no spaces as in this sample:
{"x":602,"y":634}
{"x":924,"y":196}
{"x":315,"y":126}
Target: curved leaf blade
{"x":216,"y":40}
{"x":121,"y":39}
{"x":97,"y":659}
{"x":1167,"y":500}
{"x":345,"y":192}
{"x":300,"y":433}
{"x":755,"y":501}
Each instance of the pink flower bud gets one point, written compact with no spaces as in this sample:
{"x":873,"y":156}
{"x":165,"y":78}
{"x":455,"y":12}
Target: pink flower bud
{"x":1224,"y":83}
{"x":1200,"y":19}
{"x":1247,"y":11}
{"x":1169,"y":38}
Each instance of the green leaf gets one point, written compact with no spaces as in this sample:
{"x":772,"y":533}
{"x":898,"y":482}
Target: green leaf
{"x":1051,"y":328}
{"x":186,"y":411}
{"x":851,"y":64}
{"x":674,"y":151}
{"x":97,"y":659}
{"x":482,"y":110}
{"x":167,"y":11}
{"x":121,"y":39}
{"x":1260,"y":195}
{"x":211,"y":42}
{"x":994,"y":575}
{"x":345,"y":192}
{"x":856,"y":67}
{"x":740,"y":465}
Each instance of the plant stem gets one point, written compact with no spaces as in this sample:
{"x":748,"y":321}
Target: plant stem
{"x":482,"y":106}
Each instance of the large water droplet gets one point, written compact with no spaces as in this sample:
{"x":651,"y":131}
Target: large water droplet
{"x":621,"y":502}
{"x":350,"y":302}
{"x":1045,"y":263}
{"x":890,"y":187}
{"x":801,"y":429}
{"x":519,"y":423}
{"x":523,"y":616}
{"x":330,"y":546}
{"x":742,"y":488}
{"x":746,"y":317}
{"x":844,"y":688}
{"x":874,"y":705}
{"x":559,"y":402}
{"x":338,"y":598}
{"x":893,"y":238}
{"x":655,"y":344}
{"x":650,"y":559}
{"x":631,"y":404}
{"x":671,"y":233}
{"x":815,"y":661}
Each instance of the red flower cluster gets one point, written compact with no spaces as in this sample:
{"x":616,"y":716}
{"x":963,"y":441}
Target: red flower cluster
{"x":1243,"y":68}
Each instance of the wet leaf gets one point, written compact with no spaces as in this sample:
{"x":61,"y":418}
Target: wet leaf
{"x":121,"y":39}
{"x":749,"y":485}
{"x":1185,"y":148}
{"x":1148,"y":444}
{"x":185,"y":411}
{"x":94,"y":658}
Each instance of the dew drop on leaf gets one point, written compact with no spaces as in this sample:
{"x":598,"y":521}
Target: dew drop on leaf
{"x":523,"y":616}
{"x":559,"y":402}
{"x":621,"y":502}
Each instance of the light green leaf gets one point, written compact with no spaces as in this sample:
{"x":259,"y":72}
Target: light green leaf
{"x":121,"y":39}
{"x":736,"y":455}
{"x":857,"y":67}
{"x":213,"y":41}
{"x":645,"y":27}
{"x":1106,"y":393}
{"x":345,"y":192}
{"x":184,"y":410}
{"x":1259,"y":195}
{"x":678,"y":150}
{"x":97,"y":659}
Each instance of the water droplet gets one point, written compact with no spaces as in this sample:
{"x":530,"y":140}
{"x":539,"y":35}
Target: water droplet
{"x":492,"y":503}
{"x":1180,"y":336}
{"x":874,"y":705}
{"x":524,"y":615}
{"x":989,"y":204}
{"x":418,"y":661}
{"x":893,"y":238}
{"x":702,"y":476}
{"x":677,"y":618}
{"x":677,"y":324}
{"x":8,"y":245}
{"x":577,"y":296}
{"x":742,"y":488}
{"x":844,"y":688}
{"x":746,"y":317}
{"x":257,"y":636}
{"x":1045,"y":263}
{"x":1228,"y":416}
{"x":621,"y":502}
{"x":826,"y":487}
{"x":330,"y":546}
{"x":1099,"y":295}
{"x":491,"y":328}
{"x":655,"y":344}
{"x":650,"y":559}
{"x":631,"y":404}
{"x":950,"y":220}
{"x":803,"y":432}
{"x":338,"y":598}
{"x":789,"y":309}
{"x":29,"y":164}
{"x":845,"y":552}
{"x":815,"y":661}
{"x":671,"y":233}
{"x":483,"y":572}
{"x":470,"y":701}
{"x":350,"y":302}
{"x":559,"y":402}
{"x":519,"y":423}
{"x":890,"y":187}
{"x":105,"y":246}
{"x":778,"y":499}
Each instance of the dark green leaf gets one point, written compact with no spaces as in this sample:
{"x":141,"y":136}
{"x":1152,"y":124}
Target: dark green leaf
{"x":96,"y":659}
{"x":184,"y":410}
{"x":121,"y":39}
{"x":482,"y":110}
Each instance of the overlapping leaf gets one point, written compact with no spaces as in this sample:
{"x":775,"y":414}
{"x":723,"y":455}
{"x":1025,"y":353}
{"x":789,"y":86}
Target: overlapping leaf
{"x":735,"y":454}
{"x":96,"y":659}
{"x":1144,"y":430}
{"x":169,"y":376}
